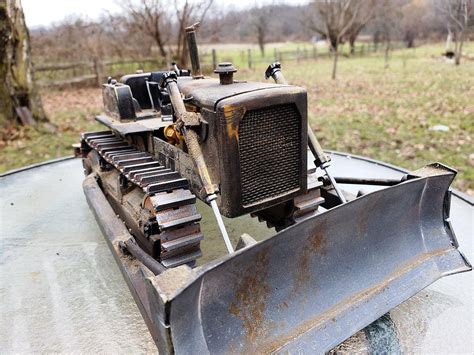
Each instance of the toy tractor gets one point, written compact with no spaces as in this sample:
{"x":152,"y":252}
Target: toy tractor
{"x":336,"y":262}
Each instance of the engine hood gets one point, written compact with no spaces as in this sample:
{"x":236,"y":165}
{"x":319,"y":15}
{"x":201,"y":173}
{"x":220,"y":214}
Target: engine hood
{"x":207,"y":92}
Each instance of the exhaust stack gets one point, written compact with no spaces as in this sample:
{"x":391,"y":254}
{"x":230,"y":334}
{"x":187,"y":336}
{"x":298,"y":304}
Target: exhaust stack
{"x":193,"y":51}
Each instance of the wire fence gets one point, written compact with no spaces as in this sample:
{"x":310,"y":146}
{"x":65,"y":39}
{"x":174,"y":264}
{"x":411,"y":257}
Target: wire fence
{"x":95,"y":72}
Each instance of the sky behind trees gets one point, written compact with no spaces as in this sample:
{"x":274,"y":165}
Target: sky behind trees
{"x":46,"y":12}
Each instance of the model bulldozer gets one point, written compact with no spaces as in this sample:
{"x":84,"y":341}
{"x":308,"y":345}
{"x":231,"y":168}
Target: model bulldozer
{"x":336,"y":262}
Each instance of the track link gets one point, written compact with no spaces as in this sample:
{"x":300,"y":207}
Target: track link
{"x":170,"y":232}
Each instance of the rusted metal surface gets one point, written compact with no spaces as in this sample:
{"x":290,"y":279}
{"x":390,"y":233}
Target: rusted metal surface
{"x":88,"y":311}
{"x":149,"y":125}
{"x":217,"y":113}
{"x":282,"y":294}
{"x":307,"y":288}
{"x":190,"y":136}
{"x":232,"y":112}
{"x":273,"y":303}
{"x":130,"y":187}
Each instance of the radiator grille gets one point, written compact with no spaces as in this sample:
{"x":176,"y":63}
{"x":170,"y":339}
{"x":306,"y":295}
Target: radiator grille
{"x":270,"y":152}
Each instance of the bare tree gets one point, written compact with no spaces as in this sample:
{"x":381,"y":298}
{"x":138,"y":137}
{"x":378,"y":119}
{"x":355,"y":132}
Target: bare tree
{"x":413,"y":20}
{"x":150,"y":18}
{"x":457,"y":14}
{"x":261,"y":26}
{"x":367,"y":12}
{"x":76,"y":39}
{"x":336,"y":18}
{"x":164,"y":24}
{"x":387,"y":23}
{"x":261,"y":21}
{"x":19,"y":98}
{"x":187,"y":13}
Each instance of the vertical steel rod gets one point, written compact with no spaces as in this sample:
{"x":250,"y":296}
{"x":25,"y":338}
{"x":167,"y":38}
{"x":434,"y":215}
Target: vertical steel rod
{"x":220,"y":222}
{"x":195,"y":151}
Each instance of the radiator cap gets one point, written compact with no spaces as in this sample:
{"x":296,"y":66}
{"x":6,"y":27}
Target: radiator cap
{"x":226,"y":72}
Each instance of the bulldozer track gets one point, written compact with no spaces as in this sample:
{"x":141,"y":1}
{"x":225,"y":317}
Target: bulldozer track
{"x":176,"y":220}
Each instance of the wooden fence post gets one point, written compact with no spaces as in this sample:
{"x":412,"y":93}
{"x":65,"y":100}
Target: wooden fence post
{"x":315,"y":52}
{"x":305,"y":51}
{"x":214,"y":59}
{"x":249,"y":57}
{"x":98,"y":71}
{"x":297,"y":54}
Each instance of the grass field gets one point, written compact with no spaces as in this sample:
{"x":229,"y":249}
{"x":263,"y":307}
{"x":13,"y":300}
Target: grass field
{"x":387,"y":114}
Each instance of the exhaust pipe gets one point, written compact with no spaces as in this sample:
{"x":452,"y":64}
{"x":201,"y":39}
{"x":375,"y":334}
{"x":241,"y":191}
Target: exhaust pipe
{"x":193,"y":51}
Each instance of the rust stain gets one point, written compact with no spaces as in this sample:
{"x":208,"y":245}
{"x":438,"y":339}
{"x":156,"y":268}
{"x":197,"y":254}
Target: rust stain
{"x":275,"y":344}
{"x":230,"y":114}
{"x":315,"y":246}
{"x":365,"y":214}
{"x":303,"y":277}
{"x":250,"y":301}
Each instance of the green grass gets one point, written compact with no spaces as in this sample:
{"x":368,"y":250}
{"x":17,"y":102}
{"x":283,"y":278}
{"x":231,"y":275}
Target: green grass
{"x":238,"y":53}
{"x":369,"y":110}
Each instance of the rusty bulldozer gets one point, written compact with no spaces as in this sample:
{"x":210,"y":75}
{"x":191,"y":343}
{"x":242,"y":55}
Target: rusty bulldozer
{"x":336,"y":262}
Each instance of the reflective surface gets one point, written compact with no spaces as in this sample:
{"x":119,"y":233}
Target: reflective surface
{"x":61,"y":290}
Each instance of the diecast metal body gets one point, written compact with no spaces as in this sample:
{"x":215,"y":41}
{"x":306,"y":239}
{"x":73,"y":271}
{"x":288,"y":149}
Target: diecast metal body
{"x":312,"y":301}
{"x":337,"y":261}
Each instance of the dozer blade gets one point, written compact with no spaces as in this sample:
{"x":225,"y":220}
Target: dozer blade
{"x":313,"y":285}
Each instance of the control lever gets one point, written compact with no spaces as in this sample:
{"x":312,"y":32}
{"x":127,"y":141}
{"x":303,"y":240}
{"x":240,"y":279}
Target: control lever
{"x":169,"y":82}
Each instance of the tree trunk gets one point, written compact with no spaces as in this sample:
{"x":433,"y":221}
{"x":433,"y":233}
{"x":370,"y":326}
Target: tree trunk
{"x":183,"y":59}
{"x":333,"y":41}
{"x":410,"y":39}
{"x":261,"y":39}
{"x":376,"y":40}
{"x":20,"y":101}
{"x":352,"y":45}
{"x":387,"y":54}
{"x":336,"y":58}
{"x":158,"y":41}
{"x":458,"y":53}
